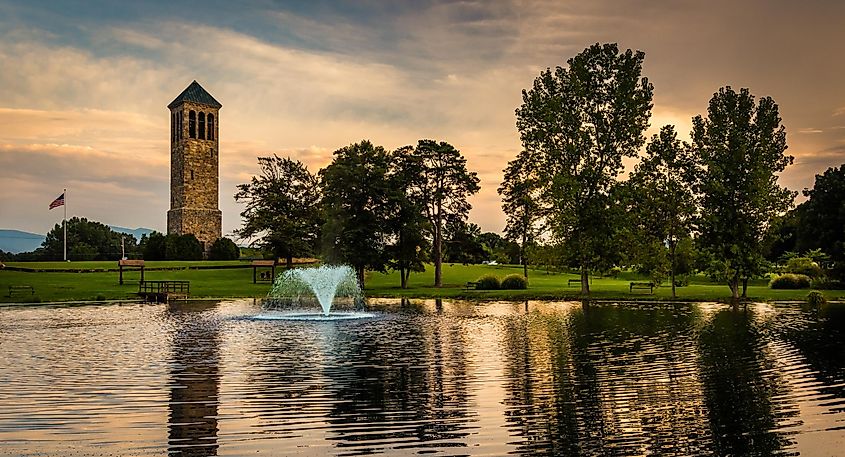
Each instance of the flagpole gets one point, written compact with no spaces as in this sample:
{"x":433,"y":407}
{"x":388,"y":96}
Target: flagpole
{"x":64,"y":222}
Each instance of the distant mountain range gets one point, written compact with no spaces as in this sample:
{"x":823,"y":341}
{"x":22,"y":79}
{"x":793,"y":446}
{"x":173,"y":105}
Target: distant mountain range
{"x":17,"y":241}
{"x":137,"y":233}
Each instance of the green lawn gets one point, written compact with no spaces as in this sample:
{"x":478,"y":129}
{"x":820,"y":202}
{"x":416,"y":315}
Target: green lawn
{"x":112,"y":264}
{"x":54,"y":286}
{"x":237,"y":282}
{"x":552,"y":285}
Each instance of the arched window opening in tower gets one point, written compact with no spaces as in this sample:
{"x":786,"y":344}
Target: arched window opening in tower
{"x":210,"y":126}
{"x":192,"y":175}
{"x":202,"y":126}
{"x":192,"y":124}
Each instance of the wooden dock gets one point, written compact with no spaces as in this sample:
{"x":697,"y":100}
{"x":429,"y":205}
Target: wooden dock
{"x":163,"y":291}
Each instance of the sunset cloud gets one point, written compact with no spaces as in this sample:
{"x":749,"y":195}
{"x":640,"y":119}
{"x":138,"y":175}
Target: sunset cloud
{"x":83,"y":92}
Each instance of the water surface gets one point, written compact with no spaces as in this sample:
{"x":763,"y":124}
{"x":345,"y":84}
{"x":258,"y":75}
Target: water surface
{"x":443,"y":378}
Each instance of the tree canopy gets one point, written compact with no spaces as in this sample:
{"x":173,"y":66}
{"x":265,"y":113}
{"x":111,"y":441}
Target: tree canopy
{"x":443,"y":191}
{"x":224,"y":249}
{"x":86,"y":240}
{"x":578,"y":123}
{"x":741,"y":148}
{"x":357,"y":200}
{"x":661,"y":204}
{"x":172,"y":247}
{"x":282,"y":208}
{"x":520,"y":203}
{"x":408,"y":225}
{"x":823,"y":215}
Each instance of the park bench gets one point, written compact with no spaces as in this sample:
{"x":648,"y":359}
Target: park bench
{"x":641,"y":285}
{"x":471,"y":285}
{"x":577,"y":282}
{"x":21,"y":288}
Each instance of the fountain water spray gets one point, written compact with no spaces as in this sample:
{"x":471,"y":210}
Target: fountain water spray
{"x":325,"y":283}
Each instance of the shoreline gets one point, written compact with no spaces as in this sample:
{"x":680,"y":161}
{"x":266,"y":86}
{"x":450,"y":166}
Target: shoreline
{"x":603,"y":300}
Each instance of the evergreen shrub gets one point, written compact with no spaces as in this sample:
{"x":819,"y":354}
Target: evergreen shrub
{"x":224,"y":249}
{"x":816,"y":299}
{"x":804,"y":266}
{"x":487,"y":282}
{"x":514,"y":281}
{"x":790,"y":281}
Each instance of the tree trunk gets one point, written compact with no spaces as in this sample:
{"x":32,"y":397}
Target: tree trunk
{"x":402,"y":279}
{"x":672,"y":267}
{"x":585,"y":281}
{"x":438,"y":260}
{"x":744,"y":287}
{"x":289,"y":262}
{"x":733,"y":283}
{"x":359,"y":271}
{"x":522,"y":256}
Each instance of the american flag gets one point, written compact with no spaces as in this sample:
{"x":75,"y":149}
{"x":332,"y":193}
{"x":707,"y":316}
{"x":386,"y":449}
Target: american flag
{"x":58,"y":201}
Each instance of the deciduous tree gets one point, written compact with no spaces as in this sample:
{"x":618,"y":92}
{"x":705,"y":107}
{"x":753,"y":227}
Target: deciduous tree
{"x":741,"y":148}
{"x":662,"y":201}
{"x":408,"y":224}
{"x":282,"y":208}
{"x":86,"y":240}
{"x":579,"y":122}
{"x":357,"y":200}
{"x":822,"y":216}
{"x":224,"y":249}
{"x":443,"y":192}
{"x":520,"y":201}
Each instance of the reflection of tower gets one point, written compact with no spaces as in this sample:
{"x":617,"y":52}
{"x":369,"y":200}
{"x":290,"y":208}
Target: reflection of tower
{"x":192,"y":429}
{"x":194,"y":171}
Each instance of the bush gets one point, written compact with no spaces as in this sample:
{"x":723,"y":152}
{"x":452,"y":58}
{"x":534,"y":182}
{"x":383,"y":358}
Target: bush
{"x":790,"y":281}
{"x":804,"y":266}
{"x":182,"y":247}
{"x":154,"y":248}
{"x":816,"y":299}
{"x":224,"y":249}
{"x":514,"y":281}
{"x":828,"y":284}
{"x":614,"y":272}
{"x":487,"y":282}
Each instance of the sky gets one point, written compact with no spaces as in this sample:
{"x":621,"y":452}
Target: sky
{"x":84,"y":85}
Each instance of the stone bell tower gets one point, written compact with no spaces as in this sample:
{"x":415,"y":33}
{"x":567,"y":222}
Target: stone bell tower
{"x":194,"y":170}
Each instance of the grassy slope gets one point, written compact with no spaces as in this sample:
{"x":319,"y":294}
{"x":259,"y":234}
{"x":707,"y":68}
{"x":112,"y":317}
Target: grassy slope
{"x":112,"y":264}
{"x":54,"y":286}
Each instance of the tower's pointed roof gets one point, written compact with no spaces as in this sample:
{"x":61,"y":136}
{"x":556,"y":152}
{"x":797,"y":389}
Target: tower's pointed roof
{"x":195,"y":93}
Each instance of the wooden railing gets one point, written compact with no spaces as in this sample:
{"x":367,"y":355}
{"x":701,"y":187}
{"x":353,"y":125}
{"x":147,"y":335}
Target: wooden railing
{"x":164,"y":287}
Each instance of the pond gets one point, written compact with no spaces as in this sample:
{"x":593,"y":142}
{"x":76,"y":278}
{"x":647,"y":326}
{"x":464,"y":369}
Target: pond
{"x":426,"y":377}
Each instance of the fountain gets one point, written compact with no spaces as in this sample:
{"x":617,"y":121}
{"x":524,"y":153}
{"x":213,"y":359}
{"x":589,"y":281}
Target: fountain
{"x":297,"y":288}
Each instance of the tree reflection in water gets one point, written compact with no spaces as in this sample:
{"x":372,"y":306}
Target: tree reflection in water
{"x":656,"y":379}
{"x":741,"y":382}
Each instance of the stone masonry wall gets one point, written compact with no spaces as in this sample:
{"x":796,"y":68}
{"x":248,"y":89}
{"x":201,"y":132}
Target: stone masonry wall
{"x":194,"y":180}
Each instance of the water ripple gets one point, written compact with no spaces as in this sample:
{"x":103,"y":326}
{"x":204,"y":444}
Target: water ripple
{"x":452,"y":378}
